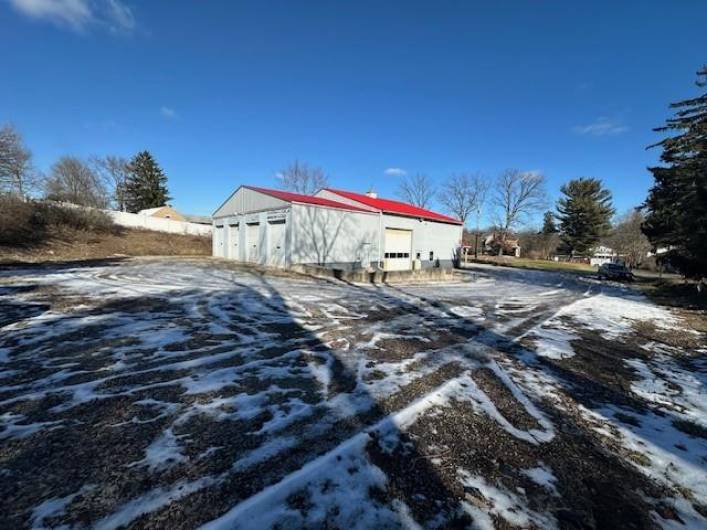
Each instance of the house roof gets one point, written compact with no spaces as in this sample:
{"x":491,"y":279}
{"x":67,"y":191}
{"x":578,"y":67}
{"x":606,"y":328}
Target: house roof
{"x":395,"y":207}
{"x":150,"y":211}
{"x":289,"y":196}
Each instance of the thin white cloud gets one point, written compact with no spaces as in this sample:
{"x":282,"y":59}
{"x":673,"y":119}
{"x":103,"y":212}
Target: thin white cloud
{"x":168,"y":113}
{"x":395,"y":172}
{"x":118,"y":16}
{"x":79,"y":15}
{"x":602,"y":126}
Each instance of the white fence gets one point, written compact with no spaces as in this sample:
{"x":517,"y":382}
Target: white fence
{"x":160,"y":224}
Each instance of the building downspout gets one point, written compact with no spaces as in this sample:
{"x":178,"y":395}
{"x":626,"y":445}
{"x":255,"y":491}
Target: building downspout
{"x":380,"y":239}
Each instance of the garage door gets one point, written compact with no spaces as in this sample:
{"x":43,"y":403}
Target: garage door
{"x":218,"y":241}
{"x":234,"y":234}
{"x":253,"y":242}
{"x":276,"y":244}
{"x":398,"y":246}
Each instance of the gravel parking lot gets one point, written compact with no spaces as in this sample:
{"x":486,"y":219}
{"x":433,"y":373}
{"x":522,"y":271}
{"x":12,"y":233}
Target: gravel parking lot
{"x":179,"y":393}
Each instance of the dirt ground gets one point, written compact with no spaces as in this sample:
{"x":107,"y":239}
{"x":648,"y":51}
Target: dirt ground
{"x":70,"y":245}
{"x":176,"y":393}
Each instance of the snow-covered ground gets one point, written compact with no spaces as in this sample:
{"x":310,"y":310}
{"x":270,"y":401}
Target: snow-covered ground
{"x":188,"y":393}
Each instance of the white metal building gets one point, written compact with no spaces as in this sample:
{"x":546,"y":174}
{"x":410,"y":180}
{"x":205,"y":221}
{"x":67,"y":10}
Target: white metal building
{"x":333,"y":228}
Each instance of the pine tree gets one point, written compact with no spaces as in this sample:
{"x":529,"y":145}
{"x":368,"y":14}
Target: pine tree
{"x":549,"y":226}
{"x":584,"y":213}
{"x":146,"y":185}
{"x":676,"y":216}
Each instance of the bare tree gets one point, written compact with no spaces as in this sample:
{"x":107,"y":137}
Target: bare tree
{"x":113,"y":171}
{"x":628,"y":240}
{"x":17,"y":176}
{"x":464,"y":194}
{"x":301,"y":178}
{"x":72,"y":180}
{"x":417,"y":190}
{"x":481,"y":185}
{"x":517,"y":195}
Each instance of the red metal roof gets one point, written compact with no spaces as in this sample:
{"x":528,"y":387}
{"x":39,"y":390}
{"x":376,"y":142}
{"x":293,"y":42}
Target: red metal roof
{"x":305,"y":199}
{"x":395,"y":207}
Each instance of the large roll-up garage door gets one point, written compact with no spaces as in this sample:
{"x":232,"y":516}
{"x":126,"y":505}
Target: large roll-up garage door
{"x":276,"y":245}
{"x":253,"y":242}
{"x":398,"y":247}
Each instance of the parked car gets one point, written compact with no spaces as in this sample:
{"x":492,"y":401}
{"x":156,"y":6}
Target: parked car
{"x":615,"y":271}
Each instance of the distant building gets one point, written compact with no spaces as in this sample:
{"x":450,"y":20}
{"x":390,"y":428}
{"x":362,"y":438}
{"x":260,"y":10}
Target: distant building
{"x":333,"y":228}
{"x":601,"y":255}
{"x":164,"y":212}
{"x":495,"y":242}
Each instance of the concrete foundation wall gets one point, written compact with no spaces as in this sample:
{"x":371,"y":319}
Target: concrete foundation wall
{"x":377,"y":276}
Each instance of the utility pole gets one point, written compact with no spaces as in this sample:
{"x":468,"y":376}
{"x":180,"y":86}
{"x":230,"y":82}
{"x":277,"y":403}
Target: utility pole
{"x":476,"y":235}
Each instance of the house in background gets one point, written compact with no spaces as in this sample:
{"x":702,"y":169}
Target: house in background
{"x":598,"y":257}
{"x":601,"y":255}
{"x":164,"y":212}
{"x":496,"y":244}
{"x":333,"y":228}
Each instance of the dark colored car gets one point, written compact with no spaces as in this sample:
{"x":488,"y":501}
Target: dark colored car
{"x":615,"y":271}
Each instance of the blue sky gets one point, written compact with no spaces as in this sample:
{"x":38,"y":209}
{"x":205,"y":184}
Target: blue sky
{"x":227,"y":93}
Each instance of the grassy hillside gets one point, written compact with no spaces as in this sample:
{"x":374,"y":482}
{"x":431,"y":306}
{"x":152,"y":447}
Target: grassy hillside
{"x":35,"y":232}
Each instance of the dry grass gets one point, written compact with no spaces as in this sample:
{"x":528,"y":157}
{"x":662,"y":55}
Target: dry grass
{"x":538,"y":264}
{"x":37,"y":231}
{"x":70,"y":244}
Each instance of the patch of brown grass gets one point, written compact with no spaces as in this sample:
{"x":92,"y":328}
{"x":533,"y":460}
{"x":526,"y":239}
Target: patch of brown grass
{"x":68,"y":244}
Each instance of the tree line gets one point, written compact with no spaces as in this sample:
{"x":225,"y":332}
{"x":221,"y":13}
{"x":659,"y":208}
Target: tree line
{"x":672,"y":222}
{"x":128,"y":185}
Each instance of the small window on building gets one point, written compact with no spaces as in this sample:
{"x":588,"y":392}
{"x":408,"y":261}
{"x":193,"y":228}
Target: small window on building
{"x":418,"y":255}
{"x":432,"y":256}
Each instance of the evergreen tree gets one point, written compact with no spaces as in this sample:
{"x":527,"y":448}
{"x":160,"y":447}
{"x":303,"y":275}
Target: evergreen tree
{"x":146,"y":185}
{"x":585,"y":213}
{"x":676,"y":216}
{"x":549,"y":226}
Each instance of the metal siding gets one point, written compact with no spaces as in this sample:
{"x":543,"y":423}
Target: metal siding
{"x":428,"y":236}
{"x":326,"y":235}
{"x":245,"y":200}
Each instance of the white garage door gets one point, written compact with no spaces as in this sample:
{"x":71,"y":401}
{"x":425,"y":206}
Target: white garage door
{"x":218,"y":242}
{"x":398,"y":247}
{"x":276,"y":246}
{"x":253,"y":242}
{"x":234,"y":239}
